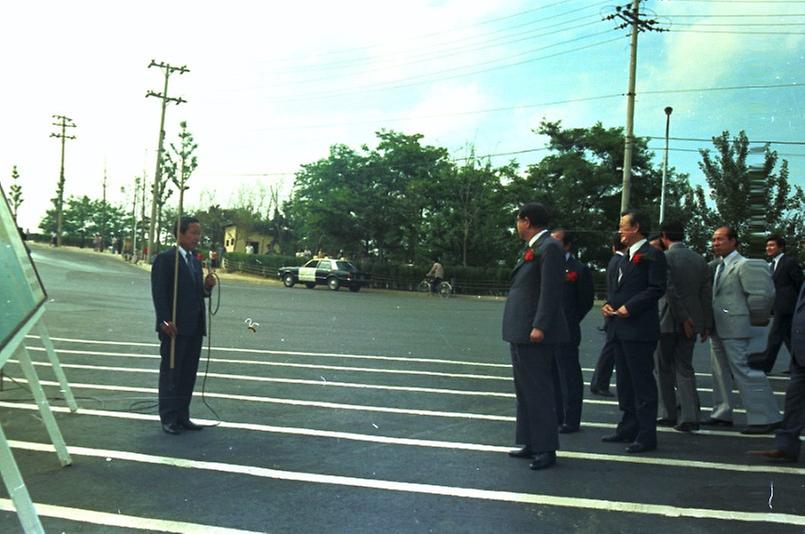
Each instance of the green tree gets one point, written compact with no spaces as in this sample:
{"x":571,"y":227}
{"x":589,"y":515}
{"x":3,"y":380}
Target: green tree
{"x":178,"y":164}
{"x":83,"y":218}
{"x":15,"y":193}
{"x":727,"y":173}
{"x":581,"y":180}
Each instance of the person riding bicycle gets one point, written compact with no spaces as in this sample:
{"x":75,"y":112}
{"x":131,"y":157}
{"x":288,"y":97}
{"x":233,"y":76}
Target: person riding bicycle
{"x":435,"y":275}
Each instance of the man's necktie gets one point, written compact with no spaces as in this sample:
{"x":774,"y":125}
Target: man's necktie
{"x":719,"y":270}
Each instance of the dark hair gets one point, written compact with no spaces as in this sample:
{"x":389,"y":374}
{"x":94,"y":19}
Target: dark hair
{"x":732,"y":233}
{"x":640,"y":219}
{"x":184,"y":225}
{"x":780,"y":240}
{"x":616,"y":241}
{"x":537,"y":214}
{"x":673,"y":230}
{"x":653,"y":237}
{"x":567,"y":236}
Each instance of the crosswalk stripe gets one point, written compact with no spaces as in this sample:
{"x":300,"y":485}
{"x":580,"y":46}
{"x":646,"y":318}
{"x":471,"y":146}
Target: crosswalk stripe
{"x":428,"y":489}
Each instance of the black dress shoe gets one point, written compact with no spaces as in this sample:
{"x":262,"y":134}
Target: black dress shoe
{"x":637,"y":447}
{"x":686,"y":426}
{"x":190,"y":425}
{"x":775,"y":454}
{"x":664,"y":421}
{"x":616,"y":438}
{"x":565,"y":429}
{"x":525,"y":452}
{"x":544,"y":460}
{"x":711,"y":421}
{"x":171,"y":428}
{"x":760,"y":429}
{"x":601,"y":392}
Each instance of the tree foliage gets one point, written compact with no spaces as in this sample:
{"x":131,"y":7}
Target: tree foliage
{"x":83,"y":218}
{"x":15,"y":192}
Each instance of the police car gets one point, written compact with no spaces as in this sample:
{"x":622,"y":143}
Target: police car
{"x":333,"y":273}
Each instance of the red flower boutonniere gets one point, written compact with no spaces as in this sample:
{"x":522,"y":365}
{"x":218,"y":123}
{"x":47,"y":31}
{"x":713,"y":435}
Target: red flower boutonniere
{"x":637,"y":258}
{"x":529,"y":255}
{"x":571,"y":276}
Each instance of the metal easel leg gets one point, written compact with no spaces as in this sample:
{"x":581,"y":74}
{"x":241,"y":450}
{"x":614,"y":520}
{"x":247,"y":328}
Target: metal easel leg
{"x":57,"y":370}
{"x":12,"y":478}
{"x":51,"y":425}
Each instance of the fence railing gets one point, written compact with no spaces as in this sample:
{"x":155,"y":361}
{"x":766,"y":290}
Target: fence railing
{"x":382,"y":282}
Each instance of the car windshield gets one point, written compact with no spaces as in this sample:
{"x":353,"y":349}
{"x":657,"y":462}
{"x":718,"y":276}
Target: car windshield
{"x":311,"y":263}
{"x":346,"y":266}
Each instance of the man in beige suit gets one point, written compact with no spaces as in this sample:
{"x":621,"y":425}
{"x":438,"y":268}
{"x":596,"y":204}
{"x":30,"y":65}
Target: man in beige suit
{"x":740,"y":293}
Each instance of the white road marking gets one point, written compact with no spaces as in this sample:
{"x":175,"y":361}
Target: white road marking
{"x":428,"y":489}
{"x":121,"y":520}
{"x":439,"y":444}
{"x":327,"y":367}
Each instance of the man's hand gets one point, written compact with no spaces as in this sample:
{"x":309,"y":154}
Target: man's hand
{"x":704,"y":335}
{"x":607,"y":310}
{"x":687,"y":329}
{"x":209,"y":281}
{"x":168,"y":328}
{"x":622,"y":312}
{"x":536,"y":335}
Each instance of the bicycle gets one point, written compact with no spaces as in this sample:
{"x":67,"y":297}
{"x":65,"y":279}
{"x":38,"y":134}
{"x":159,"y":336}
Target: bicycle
{"x":444,"y":289}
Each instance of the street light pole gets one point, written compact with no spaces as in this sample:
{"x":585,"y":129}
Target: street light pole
{"x":668,"y":111}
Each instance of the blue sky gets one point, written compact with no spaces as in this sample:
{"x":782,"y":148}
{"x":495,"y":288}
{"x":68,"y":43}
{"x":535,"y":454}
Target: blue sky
{"x":272,"y":86}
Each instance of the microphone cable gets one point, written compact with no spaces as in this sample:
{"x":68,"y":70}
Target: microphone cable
{"x":211,"y":312}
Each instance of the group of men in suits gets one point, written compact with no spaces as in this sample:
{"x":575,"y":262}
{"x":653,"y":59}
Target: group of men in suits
{"x":661,"y":298}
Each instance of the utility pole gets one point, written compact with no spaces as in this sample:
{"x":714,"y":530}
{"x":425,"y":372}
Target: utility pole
{"x":103,"y":211}
{"x":169,"y":69}
{"x":630,"y":18}
{"x":66,"y":122}
{"x":668,"y":111}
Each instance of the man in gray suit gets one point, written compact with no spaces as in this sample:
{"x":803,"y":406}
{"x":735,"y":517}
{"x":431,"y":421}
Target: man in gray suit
{"x":739,"y":292}
{"x":686,"y":310}
{"x":534,"y":325}
{"x":786,"y":440}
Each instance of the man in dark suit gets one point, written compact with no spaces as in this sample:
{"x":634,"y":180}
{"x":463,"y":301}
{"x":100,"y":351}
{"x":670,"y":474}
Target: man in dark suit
{"x":787,"y":277}
{"x":577,"y":299}
{"x":687,"y":310}
{"x":599,"y":383}
{"x":534,"y":325}
{"x":633,"y":323}
{"x":176,"y":385}
{"x":786,"y":439}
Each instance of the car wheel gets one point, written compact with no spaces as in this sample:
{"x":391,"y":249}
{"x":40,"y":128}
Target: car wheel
{"x":354,"y":289}
{"x":310,"y":285}
{"x":333,"y":283}
{"x":288,"y":280}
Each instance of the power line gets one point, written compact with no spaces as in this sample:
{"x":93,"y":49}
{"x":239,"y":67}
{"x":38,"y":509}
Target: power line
{"x":735,"y":15}
{"x":738,"y":24}
{"x":419,"y":38}
{"x":734,"y":32}
{"x":525,"y":106}
{"x":698,"y":150}
{"x":709,"y":140}
{"x":383,"y":87}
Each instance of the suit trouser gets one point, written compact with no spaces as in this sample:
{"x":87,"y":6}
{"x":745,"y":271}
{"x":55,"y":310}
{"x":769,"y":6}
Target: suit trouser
{"x":637,"y":390}
{"x":176,"y":385}
{"x":568,"y":385}
{"x":533,"y":384}
{"x":729,"y":361}
{"x":675,"y":368}
{"x":603,"y":367}
{"x":786,"y":439}
{"x":779,"y":333}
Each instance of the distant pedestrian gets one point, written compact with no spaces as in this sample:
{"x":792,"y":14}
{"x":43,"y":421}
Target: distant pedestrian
{"x":599,"y":383}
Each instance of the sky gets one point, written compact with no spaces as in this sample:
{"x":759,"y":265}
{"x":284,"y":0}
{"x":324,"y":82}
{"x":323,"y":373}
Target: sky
{"x":272,"y":85}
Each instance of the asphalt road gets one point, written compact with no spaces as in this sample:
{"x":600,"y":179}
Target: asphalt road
{"x":347,"y":412}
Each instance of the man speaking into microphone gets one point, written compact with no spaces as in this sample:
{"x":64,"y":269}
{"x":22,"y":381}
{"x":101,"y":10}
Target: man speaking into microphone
{"x":183,"y":327}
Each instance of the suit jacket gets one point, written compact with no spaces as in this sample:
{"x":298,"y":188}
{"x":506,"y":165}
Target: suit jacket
{"x":689,"y":293}
{"x":744,"y":288}
{"x":787,"y":281}
{"x":535,"y":296}
{"x":798,"y":329}
{"x":640,"y":288}
{"x":577,"y":295}
{"x":190,"y":318}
